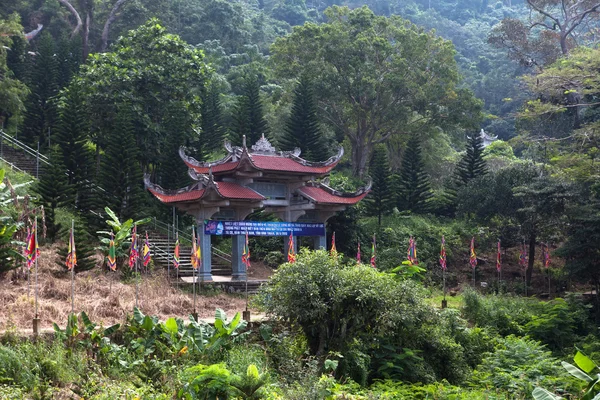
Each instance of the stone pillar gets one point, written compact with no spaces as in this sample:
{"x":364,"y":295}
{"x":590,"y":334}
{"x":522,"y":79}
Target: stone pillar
{"x":238,"y":268}
{"x":320,"y":242}
{"x":204,"y":273}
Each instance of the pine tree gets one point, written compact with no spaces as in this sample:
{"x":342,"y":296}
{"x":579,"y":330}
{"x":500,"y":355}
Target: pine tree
{"x":172,"y":173}
{"x":413,"y":188}
{"x":68,"y":54}
{"x":379,"y":200}
{"x":84,"y":247}
{"x":248,"y":117}
{"x":302,"y":129}
{"x":212,"y":134}
{"x":472,"y":164}
{"x":40,"y":114}
{"x":71,"y":137}
{"x":53,"y":191}
{"x":120,"y":172}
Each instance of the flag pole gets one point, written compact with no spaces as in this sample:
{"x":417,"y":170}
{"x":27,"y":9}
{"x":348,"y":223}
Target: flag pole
{"x":194,"y":270}
{"x":72,"y":268}
{"x":136,"y":275}
{"x":36,"y":319}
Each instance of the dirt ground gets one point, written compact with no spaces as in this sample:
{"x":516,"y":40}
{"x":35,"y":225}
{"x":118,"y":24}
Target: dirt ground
{"x":103,"y":296}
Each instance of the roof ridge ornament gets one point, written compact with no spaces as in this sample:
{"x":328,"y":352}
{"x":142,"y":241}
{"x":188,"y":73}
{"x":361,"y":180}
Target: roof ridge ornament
{"x":244,"y":141}
{"x":263,"y":146}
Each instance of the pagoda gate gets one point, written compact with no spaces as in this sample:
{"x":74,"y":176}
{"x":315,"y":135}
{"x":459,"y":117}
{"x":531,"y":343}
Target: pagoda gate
{"x":226,"y":191}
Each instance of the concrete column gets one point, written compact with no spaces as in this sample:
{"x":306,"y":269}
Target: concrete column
{"x":320,"y":242}
{"x":204,"y":273}
{"x":238,"y":268}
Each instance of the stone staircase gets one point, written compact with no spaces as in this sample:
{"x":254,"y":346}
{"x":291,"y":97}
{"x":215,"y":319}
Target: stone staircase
{"x":21,"y":157}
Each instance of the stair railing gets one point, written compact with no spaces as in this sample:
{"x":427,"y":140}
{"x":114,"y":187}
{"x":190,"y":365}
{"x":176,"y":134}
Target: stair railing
{"x":17,"y":143}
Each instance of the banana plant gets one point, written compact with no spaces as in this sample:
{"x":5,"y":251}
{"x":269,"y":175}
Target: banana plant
{"x":122,"y":234}
{"x":585,"y":366}
{"x":225,"y":331}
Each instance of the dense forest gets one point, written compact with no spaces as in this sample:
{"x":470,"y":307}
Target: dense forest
{"x":475,"y":121}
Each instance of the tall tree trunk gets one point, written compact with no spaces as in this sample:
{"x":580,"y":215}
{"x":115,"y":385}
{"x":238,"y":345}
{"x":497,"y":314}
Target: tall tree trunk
{"x":111,"y":18}
{"x":529,"y":271}
{"x":361,"y":152}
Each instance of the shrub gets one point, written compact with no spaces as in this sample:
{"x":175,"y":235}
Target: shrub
{"x":274,"y":259}
{"x":517,"y":365}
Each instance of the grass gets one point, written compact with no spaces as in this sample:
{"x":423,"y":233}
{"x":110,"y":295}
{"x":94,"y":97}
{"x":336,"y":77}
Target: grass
{"x":453,"y":301}
{"x":102,"y":296}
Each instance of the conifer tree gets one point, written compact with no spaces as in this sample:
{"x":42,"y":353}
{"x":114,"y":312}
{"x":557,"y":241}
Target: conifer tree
{"x":120,"y":172}
{"x":68,"y":54}
{"x":302,"y":129}
{"x":413,"y":188}
{"x":84,"y":247}
{"x":53,"y":191}
{"x":211,"y":137}
{"x":172,"y":173}
{"x":472,"y":164}
{"x":380,"y":201}
{"x":40,"y":113}
{"x":248,"y":117}
{"x":71,"y":137}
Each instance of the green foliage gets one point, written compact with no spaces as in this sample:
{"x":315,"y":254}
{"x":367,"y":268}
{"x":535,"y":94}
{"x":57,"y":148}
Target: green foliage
{"x":249,"y":118}
{"x":584,"y":366}
{"x":13,"y":93}
{"x":274,"y":259}
{"x":302,"y":129}
{"x":412,"y":186}
{"x":120,"y":173}
{"x":472,"y":165}
{"x":371,"y":80}
{"x":517,"y":365}
{"x":380,"y":199}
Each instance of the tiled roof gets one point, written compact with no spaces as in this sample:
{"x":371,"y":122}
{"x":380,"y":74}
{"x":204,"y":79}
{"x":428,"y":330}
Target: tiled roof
{"x":178,"y":197}
{"x":232,"y":190}
{"x":267,"y":163}
{"x":276,"y":163}
{"x":322,"y":196}
{"x":227,"y":190}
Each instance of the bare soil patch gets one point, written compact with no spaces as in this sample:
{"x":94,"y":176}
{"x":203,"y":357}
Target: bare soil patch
{"x":103,"y":296}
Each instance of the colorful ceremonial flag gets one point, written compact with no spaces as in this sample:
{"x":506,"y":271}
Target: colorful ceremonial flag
{"x":176,"y":253}
{"x":443,"y":254}
{"x":195,"y":257}
{"x":358,"y":253}
{"x":146,"y":252}
{"x":71,"y":255}
{"x":412,"y":251}
{"x":32,"y":249}
{"x":291,"y":251}
{"x":523,"y":256}
{"x":25,"y":248}
{"x":133,"y":251}
{"x":473,"y":256}
{"x":112,"y":254}
{"x":498,"y":259}
{"x":333,"y":252}
{"x":246,"y":253}
{"x":373,"y":247}
{"x":546,"y":255}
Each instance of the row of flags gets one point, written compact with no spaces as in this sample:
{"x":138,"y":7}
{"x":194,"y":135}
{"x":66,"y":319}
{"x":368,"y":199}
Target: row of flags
{"x":32,"y":251}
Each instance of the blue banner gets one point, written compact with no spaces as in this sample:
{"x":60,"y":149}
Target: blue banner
{"x":258,"y":228}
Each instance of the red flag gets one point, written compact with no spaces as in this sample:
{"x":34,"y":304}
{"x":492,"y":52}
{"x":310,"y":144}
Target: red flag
{"x":32,"y":249}
{"x":291,"y":251}
{"x":133,"y":251}
{"x":176,"y":253}
{"x":546,"y":255}
{"x":373,"y":260}
{"x":71,"y":261}
{"x":443,"y":254}
{"x":333,"y":252}
{"x":473,"y":257}
{"x":246,"y":253}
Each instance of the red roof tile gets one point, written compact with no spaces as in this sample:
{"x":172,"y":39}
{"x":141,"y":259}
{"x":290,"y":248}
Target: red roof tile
{"x":179,"y":197}
{"x":268,"y":163}
{"x":320,"y":195}
{"x":232,"y":190}
{"x":275,"y":163}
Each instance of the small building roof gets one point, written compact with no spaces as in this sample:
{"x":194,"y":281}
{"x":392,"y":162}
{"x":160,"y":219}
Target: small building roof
{"x":323,"y":194}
